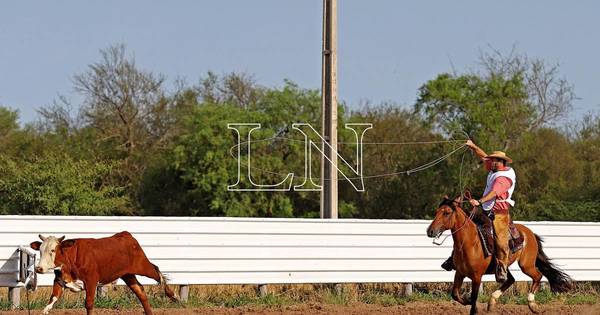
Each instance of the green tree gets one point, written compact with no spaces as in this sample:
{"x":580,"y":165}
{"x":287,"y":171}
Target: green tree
{"x":509,"y":96}
{"x":405,"y":196}
{"x":194,"y":174}
{"x":203,"y":165}
{"x":547,"y":169}
{"x":129,"y":110}
{"x":57,"y":184}
{"x":14,"y":140}
{"x":494,"y":111}
{"x":586,"y":143}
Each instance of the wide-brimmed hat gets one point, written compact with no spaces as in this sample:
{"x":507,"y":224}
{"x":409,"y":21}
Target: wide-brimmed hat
{"x":499,"y":155}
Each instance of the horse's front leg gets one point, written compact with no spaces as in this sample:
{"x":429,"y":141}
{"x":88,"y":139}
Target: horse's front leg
{"x":458,"y":281}
{"x":476,"y":282}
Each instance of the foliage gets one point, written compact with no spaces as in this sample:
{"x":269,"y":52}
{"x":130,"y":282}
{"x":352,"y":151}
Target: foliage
{"x":483,"y":108}
{"x":559,"y":210}
{"x":403,"y":195}
{"x":134,"y":147}
{"x":202,"y":162}
{"x":59,"y":185}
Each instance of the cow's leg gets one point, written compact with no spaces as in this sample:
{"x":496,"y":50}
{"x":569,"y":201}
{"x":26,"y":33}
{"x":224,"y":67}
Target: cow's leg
{"x":90,"y":294}
{"x":57,"y":291}
{"x":137,"y":288}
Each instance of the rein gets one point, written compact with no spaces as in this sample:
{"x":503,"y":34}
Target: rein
{"x":467,"y":218}
{"x":467,"y":195}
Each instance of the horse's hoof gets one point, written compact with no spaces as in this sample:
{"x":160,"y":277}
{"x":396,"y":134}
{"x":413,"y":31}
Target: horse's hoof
{"x":533,"y":307}
{"x":491,"y":304}
{"x":466,"y":299}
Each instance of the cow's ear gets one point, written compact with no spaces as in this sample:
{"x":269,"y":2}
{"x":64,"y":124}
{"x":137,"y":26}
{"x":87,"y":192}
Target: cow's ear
{"x":67,"y":243}
{"x":62,"y":238}
{"x":35,"y":245}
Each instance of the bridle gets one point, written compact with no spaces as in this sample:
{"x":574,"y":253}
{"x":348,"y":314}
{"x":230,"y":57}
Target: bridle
{"x":467,"y":196}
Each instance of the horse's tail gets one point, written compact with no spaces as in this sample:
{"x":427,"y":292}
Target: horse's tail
{"x":559,"y":281}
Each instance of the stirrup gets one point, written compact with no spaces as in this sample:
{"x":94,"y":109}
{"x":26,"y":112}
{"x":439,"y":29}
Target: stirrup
{"x":448,"y":265}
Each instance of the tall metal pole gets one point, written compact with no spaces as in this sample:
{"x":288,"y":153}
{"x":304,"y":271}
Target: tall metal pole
{"x":329,"y":182}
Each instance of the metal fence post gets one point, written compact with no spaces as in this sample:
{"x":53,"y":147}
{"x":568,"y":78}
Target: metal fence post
{"x":184,"y":292}
{"x":101,"y":291}
{"x":262,"y":290}
{"x":339,"y":289}
{"x":14,"y":297}
{"x":408,"y":289}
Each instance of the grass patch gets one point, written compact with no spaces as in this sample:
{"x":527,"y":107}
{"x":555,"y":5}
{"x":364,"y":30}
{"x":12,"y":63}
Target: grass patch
{"x":336,"y":298}
{"x":4,"y":305}
{"x":429,"y":297}
{"x":233,"y":296}
{"x":544,"y":296}
{"x":382,"y":299}
{"x":581,"y":299}
{"x":238,"y":300}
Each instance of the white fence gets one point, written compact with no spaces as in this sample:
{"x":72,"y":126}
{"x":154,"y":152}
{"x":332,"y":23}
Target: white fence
{"x":261,"y":251}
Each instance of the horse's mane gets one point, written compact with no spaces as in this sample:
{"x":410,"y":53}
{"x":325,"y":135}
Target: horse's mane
{"x":450,"y":203}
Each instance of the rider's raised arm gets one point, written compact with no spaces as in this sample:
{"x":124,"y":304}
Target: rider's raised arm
{"x":480,"y":153}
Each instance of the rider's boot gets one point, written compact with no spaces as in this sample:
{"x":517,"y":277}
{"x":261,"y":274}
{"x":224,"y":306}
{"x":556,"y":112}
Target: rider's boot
{"x":448,"y":265}
{"x":501,"y":273}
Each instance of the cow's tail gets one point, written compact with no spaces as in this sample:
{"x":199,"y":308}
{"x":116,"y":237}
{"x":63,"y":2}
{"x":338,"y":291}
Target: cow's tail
{"x":162,"y":281}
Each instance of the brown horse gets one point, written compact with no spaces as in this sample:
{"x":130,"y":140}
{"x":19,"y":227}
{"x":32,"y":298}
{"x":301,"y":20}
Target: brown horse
{"x":470,"y":262}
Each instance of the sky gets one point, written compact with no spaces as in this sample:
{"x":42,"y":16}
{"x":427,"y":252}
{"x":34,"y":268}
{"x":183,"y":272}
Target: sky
{"x":386,"y":49}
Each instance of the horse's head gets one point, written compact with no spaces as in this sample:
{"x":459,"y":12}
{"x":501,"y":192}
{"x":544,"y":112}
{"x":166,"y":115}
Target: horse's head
{"x":445,"y":216}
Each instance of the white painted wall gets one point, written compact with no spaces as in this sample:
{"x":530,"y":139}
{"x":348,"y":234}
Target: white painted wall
{"x":255,"y":251}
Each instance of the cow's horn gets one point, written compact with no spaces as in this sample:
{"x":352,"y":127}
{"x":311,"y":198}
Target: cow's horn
{"x":42,"y":237}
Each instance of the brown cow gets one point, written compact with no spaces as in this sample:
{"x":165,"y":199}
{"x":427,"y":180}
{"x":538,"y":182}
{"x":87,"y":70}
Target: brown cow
{"x":86,"y":262}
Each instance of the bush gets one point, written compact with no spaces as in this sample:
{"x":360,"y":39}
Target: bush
{"x":57,"y":184}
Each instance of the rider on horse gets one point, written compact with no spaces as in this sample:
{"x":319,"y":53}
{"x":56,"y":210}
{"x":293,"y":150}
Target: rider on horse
{"x":499,"y":188}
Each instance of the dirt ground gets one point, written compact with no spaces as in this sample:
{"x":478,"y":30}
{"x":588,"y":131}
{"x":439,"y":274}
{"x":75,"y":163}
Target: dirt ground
{"x":412,"y":308}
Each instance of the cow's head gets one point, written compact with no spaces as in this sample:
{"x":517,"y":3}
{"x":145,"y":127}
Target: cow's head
{"x":49,"y":248}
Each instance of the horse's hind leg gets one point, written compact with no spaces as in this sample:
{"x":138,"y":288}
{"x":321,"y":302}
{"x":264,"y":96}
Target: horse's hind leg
{"x":528,"y":268}
{"x":493,"y":299}
{"x":536,"y":276}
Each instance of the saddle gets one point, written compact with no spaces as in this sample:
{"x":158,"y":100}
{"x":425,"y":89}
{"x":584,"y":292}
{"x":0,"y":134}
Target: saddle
{"x":485,"y":230}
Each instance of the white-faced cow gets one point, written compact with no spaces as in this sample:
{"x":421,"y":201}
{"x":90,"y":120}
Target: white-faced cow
{"x":84,"y":263}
